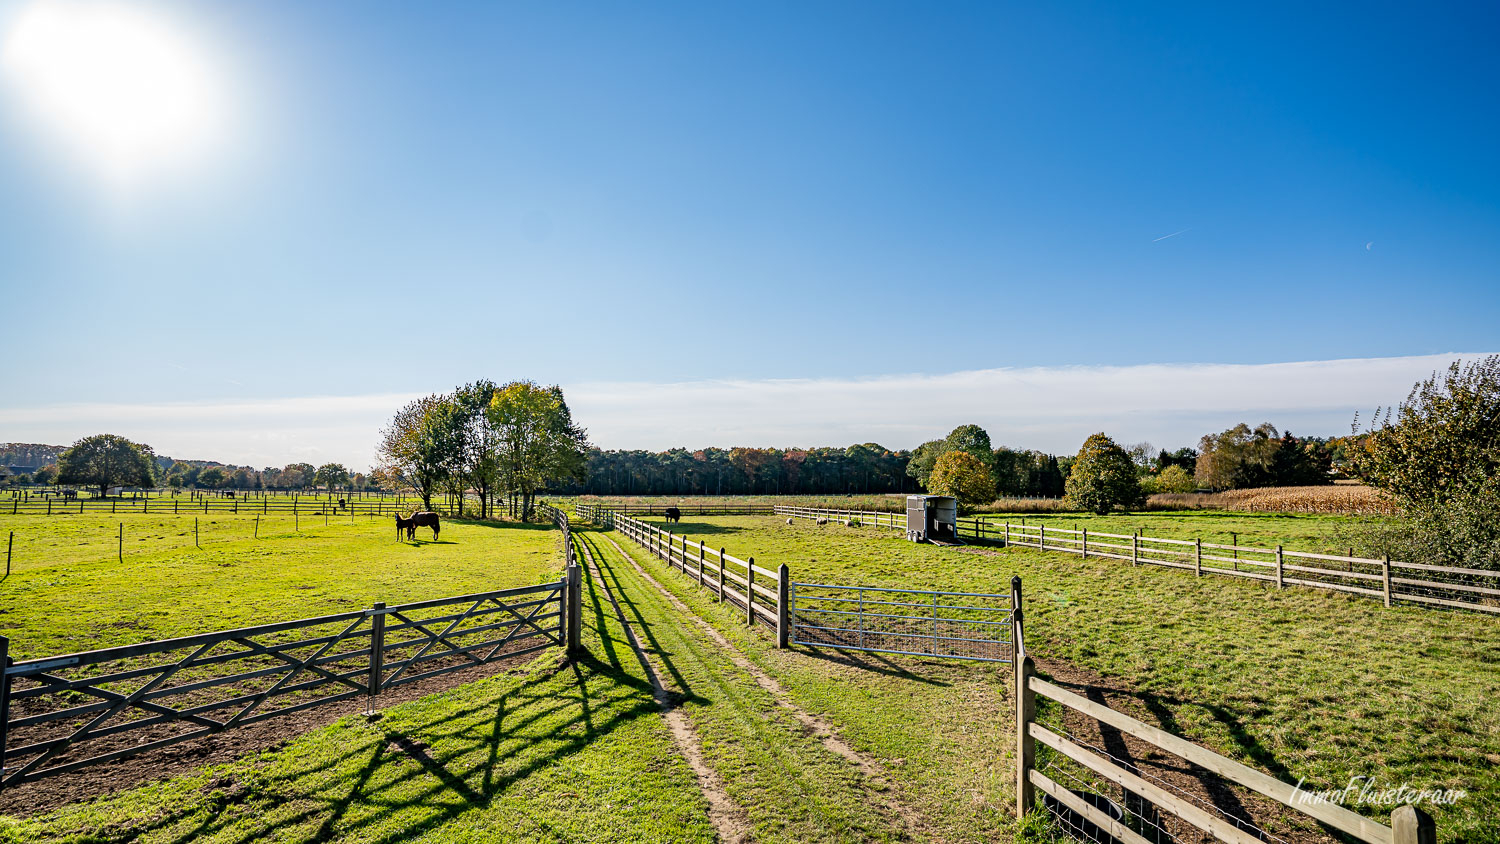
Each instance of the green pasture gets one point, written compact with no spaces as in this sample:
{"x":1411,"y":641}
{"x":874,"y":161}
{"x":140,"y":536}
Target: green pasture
{"x":1296,"y":683}
{"x":1318,"y":533}
{"x":542,"y":752}
{"x":69,"y":590}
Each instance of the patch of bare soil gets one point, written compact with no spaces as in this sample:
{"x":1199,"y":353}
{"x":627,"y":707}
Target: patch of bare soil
{"x":729,"y":820}
{"x":175,"y":760}
{"x":826,"y":733}
{"x":1259,"y":816}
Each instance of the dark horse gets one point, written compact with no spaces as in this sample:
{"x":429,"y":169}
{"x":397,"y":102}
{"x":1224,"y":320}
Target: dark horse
{"x":425,"y":518}
{"x":408,"y":525}
{"x":673,"y":514}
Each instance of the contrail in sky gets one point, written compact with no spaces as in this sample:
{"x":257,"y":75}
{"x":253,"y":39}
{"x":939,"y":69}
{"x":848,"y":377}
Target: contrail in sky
{"x":1173,"y":234}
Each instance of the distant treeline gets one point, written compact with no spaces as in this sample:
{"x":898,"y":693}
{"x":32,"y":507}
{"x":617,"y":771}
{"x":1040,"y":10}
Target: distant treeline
{"x":860,"y":468}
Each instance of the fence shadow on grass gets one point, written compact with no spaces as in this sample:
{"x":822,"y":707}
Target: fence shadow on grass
{"x":420,"y":764}
{"x":867,"y":662}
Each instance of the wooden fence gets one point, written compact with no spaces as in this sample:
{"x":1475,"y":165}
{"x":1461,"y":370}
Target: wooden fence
{"x":62,"y":713}
{"x":170,"y":506}
{"x":759,"y":592}
{"x":1084,"y":812}
{"x":1386,"y":579}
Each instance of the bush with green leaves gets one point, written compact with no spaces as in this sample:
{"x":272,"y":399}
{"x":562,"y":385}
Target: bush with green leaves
{"x":1103,"y":478}
{"x":1439,"y":457}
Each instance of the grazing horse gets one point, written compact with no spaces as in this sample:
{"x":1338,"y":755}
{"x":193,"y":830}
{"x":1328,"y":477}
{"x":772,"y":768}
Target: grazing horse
{"x":673,"y":514}
{"x":425,"y":518}
{"x":408,"y":525}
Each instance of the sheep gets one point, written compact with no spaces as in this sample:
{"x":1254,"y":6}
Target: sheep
{"x":822,"y":521}
{"x":788,"y":521}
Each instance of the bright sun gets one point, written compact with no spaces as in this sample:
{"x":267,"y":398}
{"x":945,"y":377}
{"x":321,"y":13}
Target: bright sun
{"x":119,"y":87}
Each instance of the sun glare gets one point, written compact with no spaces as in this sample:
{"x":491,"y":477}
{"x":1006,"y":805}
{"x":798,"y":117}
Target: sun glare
{"x":114,"y":84}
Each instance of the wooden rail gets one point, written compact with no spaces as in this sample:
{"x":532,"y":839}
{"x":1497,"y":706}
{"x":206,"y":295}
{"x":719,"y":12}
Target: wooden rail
{"x":761,"y":593}
{"x":1409,"y":825}
{"x":62,"y":713}
{"x":1386,"y":579}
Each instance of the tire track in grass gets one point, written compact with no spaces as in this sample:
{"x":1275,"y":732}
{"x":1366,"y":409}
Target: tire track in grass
{"x":824,"y":731}
{"x":728,"y":818}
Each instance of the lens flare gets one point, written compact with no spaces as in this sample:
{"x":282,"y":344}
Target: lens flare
{"x":123,"y":89}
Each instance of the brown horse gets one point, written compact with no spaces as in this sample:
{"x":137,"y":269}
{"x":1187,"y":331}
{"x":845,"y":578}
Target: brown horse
{"x":408,"y":525}
{"x":425,"y":518}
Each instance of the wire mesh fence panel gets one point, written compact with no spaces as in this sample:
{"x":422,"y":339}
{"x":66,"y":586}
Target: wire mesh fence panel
{"x":957,"y":625}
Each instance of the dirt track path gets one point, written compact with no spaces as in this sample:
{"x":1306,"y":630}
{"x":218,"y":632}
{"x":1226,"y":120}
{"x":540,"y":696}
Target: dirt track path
{"x":728,"y":818}
{"x":881,"y":787}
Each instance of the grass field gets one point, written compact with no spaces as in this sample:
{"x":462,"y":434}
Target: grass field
{"x":539,"y":753}
{"x":68,"y":591}
{"x":1297,"y":683}
{"x":1296,"y":532}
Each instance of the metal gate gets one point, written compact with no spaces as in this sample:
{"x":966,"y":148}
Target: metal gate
{"x":915,"y":622}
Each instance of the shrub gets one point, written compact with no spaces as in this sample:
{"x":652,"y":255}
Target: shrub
{"x":1103,"y":477}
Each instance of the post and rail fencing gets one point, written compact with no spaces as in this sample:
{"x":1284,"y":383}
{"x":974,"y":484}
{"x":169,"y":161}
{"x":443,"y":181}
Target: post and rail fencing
{"x":1151,"y":808}
{"x":760,"y":592}
{"x":62,"y":713}
{"x":1385,"y":579}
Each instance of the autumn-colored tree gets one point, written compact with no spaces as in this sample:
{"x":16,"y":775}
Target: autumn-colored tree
{"x":961,"y":475}
{"x":1103,"y":477}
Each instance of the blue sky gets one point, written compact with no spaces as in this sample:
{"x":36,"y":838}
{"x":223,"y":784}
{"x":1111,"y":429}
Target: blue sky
{"x":404,"y":197}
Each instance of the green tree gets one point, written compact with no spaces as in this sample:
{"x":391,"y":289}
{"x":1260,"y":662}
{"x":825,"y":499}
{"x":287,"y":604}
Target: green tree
{"x":106,"y":460}
{"x":43,"y":476}
{"x":538,"y":443}
{"x":963,"y":476}
{"x":212,"y":478}
{"x":1103,"y":477}
{"x":1444,"y":441}
{"x":972,"y":439}
{"x":1174,"y":478}
{"x":414,"y":447}
{"x":331,"y":475}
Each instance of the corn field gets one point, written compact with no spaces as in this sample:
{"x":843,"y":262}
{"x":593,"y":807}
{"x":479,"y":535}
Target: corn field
{"x":1346,"y":500}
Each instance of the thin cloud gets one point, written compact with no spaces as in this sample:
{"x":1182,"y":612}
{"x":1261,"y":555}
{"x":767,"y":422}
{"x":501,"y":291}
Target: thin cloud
{"x":1049,"y":408}
{"x":1173,"y":234}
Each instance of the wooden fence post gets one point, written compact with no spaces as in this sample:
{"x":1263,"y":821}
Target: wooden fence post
{"x":750,"y":593}
{"x":1280,"y":582}
{"x":120,"y":551}
{"x":1385,"y":568}
{"x":1007,"y":535}
{"x":5,"y":662}
{"x":1041,"y":541}
{"x":1198,"y":556}
{"x":1085,"y":543}
{"x":721,"y":575}
{"x":1024,"y":668}
{"x":377,"y":655}
{"x":1135,"y":549}
{"x":1410,"y":825}
{"x":195,"y":533}
{"x":700,"y":564}
{"x":783,"y":607}
{"x":9,"y":544}
{"x":574,"y":610}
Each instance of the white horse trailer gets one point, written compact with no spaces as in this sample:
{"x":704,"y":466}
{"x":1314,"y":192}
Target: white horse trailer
{"x":932,"y":518}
